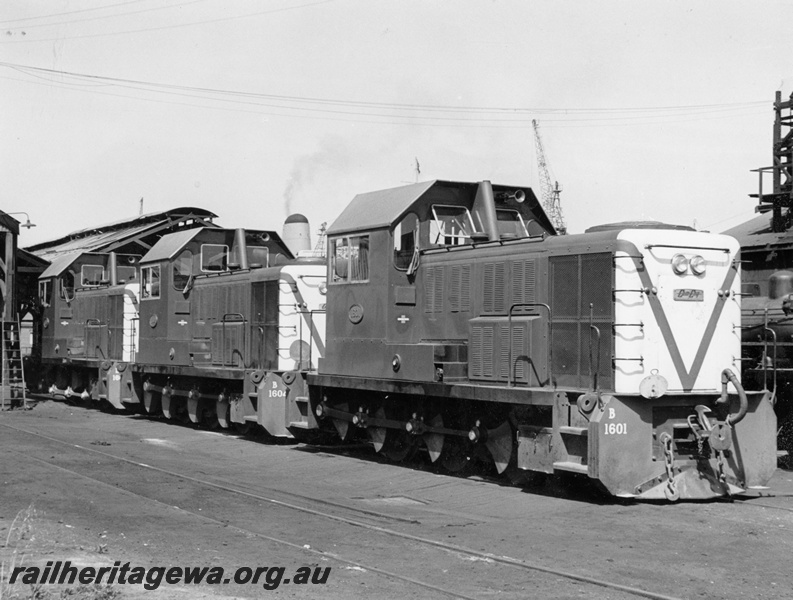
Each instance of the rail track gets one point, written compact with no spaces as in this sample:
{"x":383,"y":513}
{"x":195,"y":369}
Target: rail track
{"x":306,"y":505}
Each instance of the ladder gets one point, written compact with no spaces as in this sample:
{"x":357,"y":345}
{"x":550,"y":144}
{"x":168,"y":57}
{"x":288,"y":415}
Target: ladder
{"x":12,"y":388}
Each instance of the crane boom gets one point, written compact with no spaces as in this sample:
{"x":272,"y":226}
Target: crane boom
{"x":551,"y":202}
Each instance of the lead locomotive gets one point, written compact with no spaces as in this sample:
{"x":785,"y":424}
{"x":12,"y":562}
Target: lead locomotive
{"x":449,"y":318}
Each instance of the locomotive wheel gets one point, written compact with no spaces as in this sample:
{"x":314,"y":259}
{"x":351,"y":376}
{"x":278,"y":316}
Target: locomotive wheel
{"x":209,"y":417}
{"x":222,"y":413}
{"x":399,"y":444}
{"x":151,"y":402}
{"x":243,"y":428}
{"x":378,"y":435}
{"x":168,"y":406}
{"x":342,"y":426}
{"x":499,"y":442}
{"x":434,"y":441}
{"x":194,"y":411}
{"x":455,"y":458}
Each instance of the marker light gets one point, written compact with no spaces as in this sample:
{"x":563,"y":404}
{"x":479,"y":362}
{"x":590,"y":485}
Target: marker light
{"x":697,"y":265}
{"x":679,"y":264}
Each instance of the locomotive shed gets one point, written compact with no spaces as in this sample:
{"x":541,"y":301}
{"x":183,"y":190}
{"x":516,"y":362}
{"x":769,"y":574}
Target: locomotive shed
{"x":109,"y":487}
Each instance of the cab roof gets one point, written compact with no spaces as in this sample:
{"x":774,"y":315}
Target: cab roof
{"x":383,"y":208}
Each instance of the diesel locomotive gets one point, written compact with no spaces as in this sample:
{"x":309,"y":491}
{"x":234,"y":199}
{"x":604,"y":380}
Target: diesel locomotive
{"x":446,"y":318}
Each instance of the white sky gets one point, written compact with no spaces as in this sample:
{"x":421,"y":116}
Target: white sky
{"x":648,"y":110}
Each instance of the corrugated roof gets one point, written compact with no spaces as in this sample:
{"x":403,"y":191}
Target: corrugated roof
{"x":169,"y":245}
{"x":374,"y":210}
{"x":757,"y":232}
{"x":101,"y":238}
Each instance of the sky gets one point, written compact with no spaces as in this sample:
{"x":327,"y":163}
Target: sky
{"x":256,"y":109}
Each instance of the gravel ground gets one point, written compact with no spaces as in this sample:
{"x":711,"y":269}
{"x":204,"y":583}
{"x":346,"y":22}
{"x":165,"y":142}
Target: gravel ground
{"x":116,"y":498}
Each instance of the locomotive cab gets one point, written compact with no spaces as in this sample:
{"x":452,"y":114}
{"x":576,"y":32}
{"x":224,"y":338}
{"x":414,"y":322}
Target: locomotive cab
{"x":90,"y":323}
{"x":230,"y":321}
{"x":389,"y":319}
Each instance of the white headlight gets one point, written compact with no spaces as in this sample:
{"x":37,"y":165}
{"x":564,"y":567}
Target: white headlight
{"x":697,"y":265}
{"x":679,"y":264}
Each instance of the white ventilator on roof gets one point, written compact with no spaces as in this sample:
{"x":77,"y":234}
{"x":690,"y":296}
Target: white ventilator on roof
{"x":297,"y":235}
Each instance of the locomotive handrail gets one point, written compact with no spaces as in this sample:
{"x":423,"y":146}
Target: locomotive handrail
{"x":311,"y":334}
{"x":240,"y":315}
{"x":766,"y":330}
{"x":678,"y":246}
{"x":594,"y":376}
{"x":593,"y":327}
{"x":728,"y":375}
{"x":640,"y":360}
{"x":550,"y":338}
{"x":234,"y":351}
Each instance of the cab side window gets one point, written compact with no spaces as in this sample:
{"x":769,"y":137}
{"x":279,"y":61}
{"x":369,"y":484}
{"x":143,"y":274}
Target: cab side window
{"x":150,"y":287}
{"x":45,"y":292}
{"x":451,"y":225}
{"x":349,"y":259}
{"x":182,"y":270}
{"x":510,"y":223}
{"x":214,"y":257}
{"x":405,"y":241}
{"x":91,"y":275}
{"x":66,"y":285}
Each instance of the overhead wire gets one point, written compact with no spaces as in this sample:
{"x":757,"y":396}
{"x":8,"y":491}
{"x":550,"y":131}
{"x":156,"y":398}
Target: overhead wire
{"x":111,"y":16}
{"x":61,"y":38}
{"x":72,"y":12}
{"x":492,"y":115}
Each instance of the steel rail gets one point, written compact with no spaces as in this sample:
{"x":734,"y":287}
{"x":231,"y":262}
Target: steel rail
{"x":504,"y":560}
{"x":328,"y":555}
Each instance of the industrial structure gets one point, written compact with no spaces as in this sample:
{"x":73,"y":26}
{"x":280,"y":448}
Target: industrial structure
{"x":551,"y":201}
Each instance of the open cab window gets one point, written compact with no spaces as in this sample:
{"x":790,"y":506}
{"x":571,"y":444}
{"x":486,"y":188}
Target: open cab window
{"x":214,"y":257}
{"x":150,"y":287}
{"x":349,"y":259}
{"x":91,"y":275}
{"x":510,"y":224}
{"x":66,"y":285}
{"x":45,"y":292}
{"x":451,"y":225}
{"x":405,"y":241}
{"x":182,"y":270}
{"x":258,"y":256}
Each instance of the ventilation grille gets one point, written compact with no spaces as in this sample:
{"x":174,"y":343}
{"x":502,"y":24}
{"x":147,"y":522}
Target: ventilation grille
{"x":214,"y":301}
{"x":460,"y":292}
{"x":489,"y":354}
{"x":433,"y":289}
{"x":495,"y":288}
{"x":228,"y":344}
{"x":523,"y":281}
